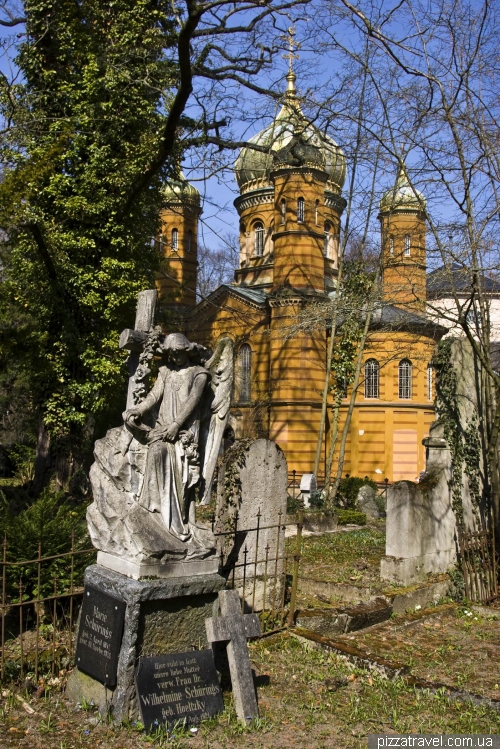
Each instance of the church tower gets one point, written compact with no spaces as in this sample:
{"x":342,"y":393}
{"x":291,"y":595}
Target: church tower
{"x":402,"y":220}
{"x":290,"y":204}
{"x":290,"y":208}
{"x":178,"y":243}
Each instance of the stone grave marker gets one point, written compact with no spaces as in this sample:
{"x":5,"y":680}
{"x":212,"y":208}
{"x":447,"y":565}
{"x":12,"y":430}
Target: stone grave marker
{"x":308,"y":486}
{"x":181,"y":686}
{"x":234,"y":628}
{"x":252,"y":485}
{"x":100,"y":635}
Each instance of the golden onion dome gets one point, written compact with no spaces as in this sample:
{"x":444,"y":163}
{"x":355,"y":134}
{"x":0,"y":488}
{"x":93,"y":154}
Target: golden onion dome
{"x":180,"y":192}
{"x":402,"y":196}
{"x":253,"y":167}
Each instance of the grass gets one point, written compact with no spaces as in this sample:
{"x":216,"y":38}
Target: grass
{"x":348,"y":556}
{"x":307,"y":697}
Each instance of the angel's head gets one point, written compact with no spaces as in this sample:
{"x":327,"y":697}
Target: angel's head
{"x":178,"y":348}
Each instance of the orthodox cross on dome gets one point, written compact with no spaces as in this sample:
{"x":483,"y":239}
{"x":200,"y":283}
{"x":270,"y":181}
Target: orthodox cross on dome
{"x":291,"y":56}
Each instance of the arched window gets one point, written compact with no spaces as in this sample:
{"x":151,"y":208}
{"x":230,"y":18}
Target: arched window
{"x":407,"y":245}
{"x":259,"y":238}
{"x":283,"y":211}
{"x":245,"y":373}
{"x":430,"y":382}
{"x":404,"y":378}
{"x":326,"y":246}
{"x":316,"y":212}
{"x":301,"y":209}
{"x":372,"y":378}
{"x":175,"y":239}
{"x":391,"y":245}
{"x":189,"y":240}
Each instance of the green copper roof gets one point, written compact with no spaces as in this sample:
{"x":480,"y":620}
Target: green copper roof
{"x":179,"y":191}
{"x":402,"y":196}
{"x":253,"y":167}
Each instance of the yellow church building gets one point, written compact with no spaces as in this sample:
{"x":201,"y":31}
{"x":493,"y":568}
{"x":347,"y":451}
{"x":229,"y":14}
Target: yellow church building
{"x":290,"y":207}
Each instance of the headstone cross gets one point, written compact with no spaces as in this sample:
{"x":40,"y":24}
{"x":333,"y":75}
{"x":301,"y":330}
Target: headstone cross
{"x":234,"y":628}
{"x":133,"y":340}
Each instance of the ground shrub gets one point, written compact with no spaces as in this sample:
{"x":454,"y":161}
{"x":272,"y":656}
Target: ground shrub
{"x":49,"y":522}
{"x":457,"y":588}
{"x":346,"y":517}
{"x":347,"y":492}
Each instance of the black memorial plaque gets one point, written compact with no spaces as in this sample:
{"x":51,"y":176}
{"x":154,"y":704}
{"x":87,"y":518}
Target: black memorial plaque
{"x":100,"y":635}
{"x":177,"y":687}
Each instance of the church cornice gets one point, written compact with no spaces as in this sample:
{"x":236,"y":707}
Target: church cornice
{"x":263,"y":196}
{"x":337,"y":202}
{"x":287,"y":297}
{"x":299,"y":233}
{"x":397,"y":211}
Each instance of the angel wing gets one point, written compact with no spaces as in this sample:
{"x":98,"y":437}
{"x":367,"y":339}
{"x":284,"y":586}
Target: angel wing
{"x":221,"y":367}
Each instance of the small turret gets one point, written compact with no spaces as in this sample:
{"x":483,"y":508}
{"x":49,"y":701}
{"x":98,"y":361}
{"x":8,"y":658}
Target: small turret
{"x":179,"y":243}
{"x":403,"y":228}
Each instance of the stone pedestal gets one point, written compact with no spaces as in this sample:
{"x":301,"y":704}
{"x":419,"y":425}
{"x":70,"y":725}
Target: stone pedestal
{"x":162,"y":616}
{"x":420,"y":533}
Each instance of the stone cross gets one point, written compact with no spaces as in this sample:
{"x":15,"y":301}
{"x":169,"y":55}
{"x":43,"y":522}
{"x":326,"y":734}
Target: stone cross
{"x":234,"y":628}
{"x":133,"y":340}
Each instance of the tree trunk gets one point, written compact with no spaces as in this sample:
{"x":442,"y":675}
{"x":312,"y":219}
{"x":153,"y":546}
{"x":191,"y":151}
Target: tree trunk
{"x":42,"y":459}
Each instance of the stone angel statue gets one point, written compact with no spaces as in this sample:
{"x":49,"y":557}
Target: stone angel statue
{"x":149,"y":472}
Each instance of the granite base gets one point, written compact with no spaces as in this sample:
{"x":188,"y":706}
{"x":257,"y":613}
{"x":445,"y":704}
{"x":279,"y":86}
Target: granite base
{"x":162,"y":616}
{"x":164,"y":570}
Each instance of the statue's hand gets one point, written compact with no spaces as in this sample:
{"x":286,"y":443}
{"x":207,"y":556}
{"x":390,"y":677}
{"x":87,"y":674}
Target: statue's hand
{"x":171,"y":432}
{"x":131,"y":416}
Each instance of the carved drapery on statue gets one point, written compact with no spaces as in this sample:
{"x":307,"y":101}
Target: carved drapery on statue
{"x":149,"y":473}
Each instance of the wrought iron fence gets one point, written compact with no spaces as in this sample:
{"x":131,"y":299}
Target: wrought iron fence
{"x":41,"y":597}
{"x":39,"y":605}
{"x":479,"y":564}
{"x":293,"y":486}
{"x":256,"y":563}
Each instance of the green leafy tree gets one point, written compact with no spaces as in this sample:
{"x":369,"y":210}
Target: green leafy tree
{"x":87,"y":118}
{"x":94,"y":123}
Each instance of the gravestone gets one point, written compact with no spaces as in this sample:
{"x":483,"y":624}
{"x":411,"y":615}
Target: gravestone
{"x":308,"y":486}
{"x":234,"y":628}
{"x":182,"y":686}
{"x":252,"y":490}
{"x":100,"y":635}
{"x":366,"y":501}
{"x":421,"y":524}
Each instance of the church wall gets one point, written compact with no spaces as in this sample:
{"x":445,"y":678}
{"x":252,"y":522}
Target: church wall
{"x":386,"y":433}
{"x":299,"y":260}
{"x":244,"y":324}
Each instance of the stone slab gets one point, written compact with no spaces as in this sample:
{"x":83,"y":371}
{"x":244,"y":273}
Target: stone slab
{"x":181,"y":686}
{"x":423,"y":596}
{"x":263,"y":479}
{"x":165,"y":570}
{"x":162,"y":616}
{"x":342,"y":591}
{"x":329,"y":622}
{"x":100,"y":635}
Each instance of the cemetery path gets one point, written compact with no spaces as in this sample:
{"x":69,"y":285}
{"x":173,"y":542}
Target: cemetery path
{"x":308,"y":697}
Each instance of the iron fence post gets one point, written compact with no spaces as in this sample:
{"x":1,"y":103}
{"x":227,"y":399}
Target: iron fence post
{"x":296,"y":561}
